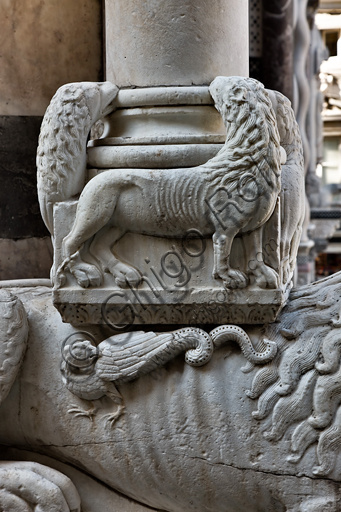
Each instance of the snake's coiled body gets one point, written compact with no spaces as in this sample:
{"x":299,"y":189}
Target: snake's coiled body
{"x":224,"y":333}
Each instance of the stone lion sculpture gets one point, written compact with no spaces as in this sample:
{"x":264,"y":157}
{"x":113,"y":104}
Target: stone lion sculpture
{"x":126,"y":410}
{"x":233,"y":193}
{"x":209,"y":438}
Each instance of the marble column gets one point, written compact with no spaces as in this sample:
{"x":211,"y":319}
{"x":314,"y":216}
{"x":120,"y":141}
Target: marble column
{"x":317,"y":54}
{"x":301,"y":101}
{"x":301,"y":96}
{"x":163,"y":55}
{"x":278,"y":40}
{"x":175,"y":42}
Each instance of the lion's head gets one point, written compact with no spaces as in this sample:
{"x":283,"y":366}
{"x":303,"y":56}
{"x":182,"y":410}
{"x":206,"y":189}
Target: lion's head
{"x":252,"y":140}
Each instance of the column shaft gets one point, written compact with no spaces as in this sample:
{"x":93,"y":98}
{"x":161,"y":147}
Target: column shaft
{"x":175,"y":42}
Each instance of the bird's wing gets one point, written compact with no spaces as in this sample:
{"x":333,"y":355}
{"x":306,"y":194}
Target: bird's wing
{"x":137,"y":355}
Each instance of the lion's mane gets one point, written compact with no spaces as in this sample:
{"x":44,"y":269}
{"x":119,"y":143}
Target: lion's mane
{"x":13,"y":340}
{"x":252,"y":140}
{"x":292,"y":140}
{"x":251,"y":149}
{"x":301,"y":387}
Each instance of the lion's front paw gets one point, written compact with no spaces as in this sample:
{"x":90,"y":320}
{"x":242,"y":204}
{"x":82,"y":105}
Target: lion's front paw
{"x":125,"y":275}
{"x":32,"y":486}
{"x":265,"y":277}
{"x":233,"y":278}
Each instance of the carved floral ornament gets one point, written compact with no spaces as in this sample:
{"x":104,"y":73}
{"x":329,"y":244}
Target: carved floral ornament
{"x":129,"y":409}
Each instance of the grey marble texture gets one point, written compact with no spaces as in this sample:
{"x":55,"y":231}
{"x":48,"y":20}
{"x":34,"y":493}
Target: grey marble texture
{"x":175,"y":43}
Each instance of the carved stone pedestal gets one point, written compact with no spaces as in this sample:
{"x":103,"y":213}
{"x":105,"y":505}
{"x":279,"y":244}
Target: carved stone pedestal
{"x":173,"y":226}
{"x":177,"y":286}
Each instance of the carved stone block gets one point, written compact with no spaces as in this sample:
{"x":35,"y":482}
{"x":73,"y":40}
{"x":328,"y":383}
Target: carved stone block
{"x":249,"y":417}
{"x":177,"y":286}
{"x":154,"y":238}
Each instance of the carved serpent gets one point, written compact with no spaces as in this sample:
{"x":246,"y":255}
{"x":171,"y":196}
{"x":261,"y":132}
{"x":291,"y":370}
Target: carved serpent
{"x":226,"y":333}
{"x":140,"y":353}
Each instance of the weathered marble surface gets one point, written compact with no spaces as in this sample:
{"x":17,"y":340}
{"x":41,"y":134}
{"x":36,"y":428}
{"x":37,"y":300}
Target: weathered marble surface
{"x":158,"y":128}
{"x":44,"y":45}
{"x":189,"y":438}
{"x":186,"y":43}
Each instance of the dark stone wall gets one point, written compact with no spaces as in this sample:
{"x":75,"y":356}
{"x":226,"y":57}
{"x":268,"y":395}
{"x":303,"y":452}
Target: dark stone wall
{"x":256,"y":68}
{"x":278,"y":41}
{"x":19,"y":208}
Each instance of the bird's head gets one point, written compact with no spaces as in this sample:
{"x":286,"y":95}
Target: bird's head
{"x":80,"y":354}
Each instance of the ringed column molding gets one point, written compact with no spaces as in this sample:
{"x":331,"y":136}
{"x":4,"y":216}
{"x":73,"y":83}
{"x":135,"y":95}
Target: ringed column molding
{"x":163,"y":54}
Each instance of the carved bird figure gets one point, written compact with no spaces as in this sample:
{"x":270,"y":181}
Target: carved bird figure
{"x":91,"y":372}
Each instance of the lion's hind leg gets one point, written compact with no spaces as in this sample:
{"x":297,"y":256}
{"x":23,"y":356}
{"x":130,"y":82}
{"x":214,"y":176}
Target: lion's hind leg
{"x":100,"y":248}
{"x":222,"y":243}
{"x":264,"y":276}
{"x":95,"y":207}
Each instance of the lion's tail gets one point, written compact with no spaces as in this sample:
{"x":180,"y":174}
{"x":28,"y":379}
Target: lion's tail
{"x":46,"y":210}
